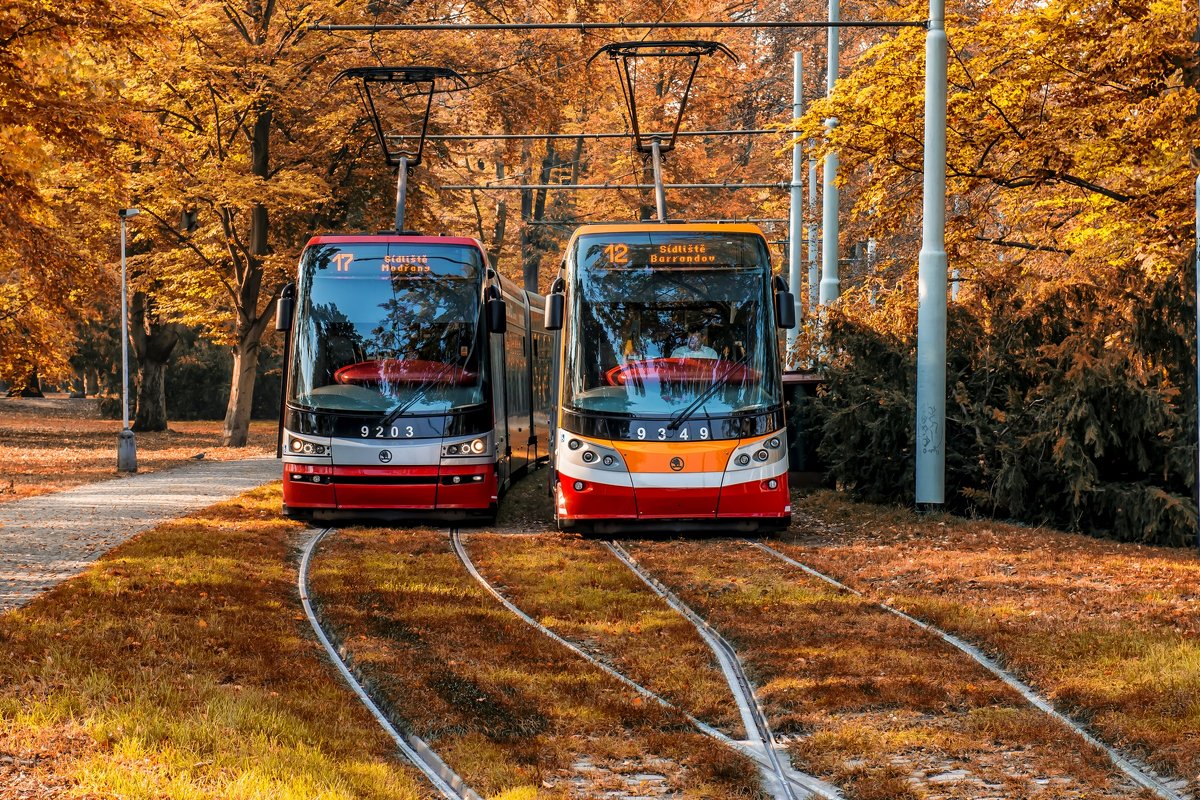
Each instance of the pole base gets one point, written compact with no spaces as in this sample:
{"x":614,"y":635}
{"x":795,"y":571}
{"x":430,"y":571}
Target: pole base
{"x":126,"y":452}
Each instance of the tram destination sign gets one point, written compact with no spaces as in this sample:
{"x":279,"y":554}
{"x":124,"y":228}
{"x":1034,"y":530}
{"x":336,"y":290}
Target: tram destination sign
{"x":361,"y":260}
{"x":724,"y":250}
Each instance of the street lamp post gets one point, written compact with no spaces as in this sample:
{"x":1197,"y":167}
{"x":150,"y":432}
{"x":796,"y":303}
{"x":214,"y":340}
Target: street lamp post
{"x":126,"y":447}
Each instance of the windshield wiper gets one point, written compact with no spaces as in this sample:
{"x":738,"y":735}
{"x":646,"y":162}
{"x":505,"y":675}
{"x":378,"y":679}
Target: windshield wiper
{"x":425,"y":385}
{"x":718,"y":384}
{"x":419,"y":394}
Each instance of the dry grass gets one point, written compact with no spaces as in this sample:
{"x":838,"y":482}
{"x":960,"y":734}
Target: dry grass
{"x":1110,"y":631}
{"x":577,"y":589}
{"x":874,"y":704}
{"x":54,"y":444}
{"x":507,"y":708}
{"x":179,"y":666}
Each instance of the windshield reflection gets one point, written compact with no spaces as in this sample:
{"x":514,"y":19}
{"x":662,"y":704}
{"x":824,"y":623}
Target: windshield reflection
{"x":381,"y":327}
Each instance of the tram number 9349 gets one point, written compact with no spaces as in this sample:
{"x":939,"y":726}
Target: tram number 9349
{"x":642,"y":433}
{"x":381,"y":432}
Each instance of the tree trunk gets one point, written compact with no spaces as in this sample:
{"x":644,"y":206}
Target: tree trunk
{"x":241,"y":392}
{"x":151,"y":406}
{"x":250,"y":324}
{"x":153,"y":342}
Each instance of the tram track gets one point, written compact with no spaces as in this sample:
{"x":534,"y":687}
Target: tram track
{"x":1135,"y":773}
{"x":791,"y":784}
{"x":786,"y":782}
{"x":412,"y":747}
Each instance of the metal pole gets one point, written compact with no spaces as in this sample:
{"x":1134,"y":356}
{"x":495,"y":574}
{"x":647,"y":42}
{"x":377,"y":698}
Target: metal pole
{"x":584,"y":27}
{"x":587,"y":187}
{"x":795,"y":223}
{"x":1198,"y":343}
{"x":124,"y":337}
{"x":931,"y":275}
{"x":660,"y":194}
{"x":401,"y":191}
{"x":830,"y":284}
{"x":814,"y":275}
{"x":126,"y":443}
{"x":529,"y":137}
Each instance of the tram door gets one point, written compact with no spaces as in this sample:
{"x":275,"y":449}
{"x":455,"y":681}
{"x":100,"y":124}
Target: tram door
{"x":499,"y":408}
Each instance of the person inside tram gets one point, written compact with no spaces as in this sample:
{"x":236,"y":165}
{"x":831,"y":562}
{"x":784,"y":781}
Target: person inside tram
{"x":632,"y":346}
{"x":694,"y":347}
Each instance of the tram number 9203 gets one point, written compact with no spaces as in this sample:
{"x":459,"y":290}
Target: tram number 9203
{"x":661,"y":434}
{"x":380,"y":432}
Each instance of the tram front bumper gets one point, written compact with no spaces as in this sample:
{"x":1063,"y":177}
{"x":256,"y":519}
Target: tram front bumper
{"x":446,"y":487}
{"x":764,"y":501}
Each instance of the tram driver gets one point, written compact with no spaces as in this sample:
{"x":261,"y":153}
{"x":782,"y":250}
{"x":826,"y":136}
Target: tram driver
{"x":695,"y":346}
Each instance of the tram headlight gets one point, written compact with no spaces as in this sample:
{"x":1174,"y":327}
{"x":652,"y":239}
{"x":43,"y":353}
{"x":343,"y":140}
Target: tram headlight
{"x":589,"y":456}
{"x":301,"y":447}
{"x":773,"y":443}
{"x":574,"y":444}
{"x":761,"y":455}
{"x":609,"y":461}
{"x":743,"y":459}
{"x":474,"y":447}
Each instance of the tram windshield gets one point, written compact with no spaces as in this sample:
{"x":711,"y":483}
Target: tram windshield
{"x":388,"y":328}
{"x":672,"y":323}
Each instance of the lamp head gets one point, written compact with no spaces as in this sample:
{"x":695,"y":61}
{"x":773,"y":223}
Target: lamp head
{"x":126,"y":213}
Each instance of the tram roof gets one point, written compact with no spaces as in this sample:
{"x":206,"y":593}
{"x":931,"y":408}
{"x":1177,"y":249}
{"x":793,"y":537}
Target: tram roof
{"x":652,"y":227}
{"x":391,"y":238}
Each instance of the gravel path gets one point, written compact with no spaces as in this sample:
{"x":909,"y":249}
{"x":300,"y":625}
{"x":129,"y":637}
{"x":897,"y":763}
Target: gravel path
{"x":46,"y":539}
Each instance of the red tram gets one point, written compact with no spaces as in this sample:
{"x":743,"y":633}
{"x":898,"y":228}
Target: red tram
{"x":418,"y":380}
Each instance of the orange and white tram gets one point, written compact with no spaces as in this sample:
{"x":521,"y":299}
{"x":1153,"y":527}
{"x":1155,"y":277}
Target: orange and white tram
{"x":670,"y":408}
{"x":419,"y":379}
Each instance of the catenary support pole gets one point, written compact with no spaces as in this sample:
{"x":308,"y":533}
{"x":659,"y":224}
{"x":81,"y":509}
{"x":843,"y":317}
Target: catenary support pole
{"x":660,"y":194}
{"x":831,"y":285}
{"x":814,"y":272}
{"x":830,"y":282}
{"x":931,"y":275}
{"x":795,"y":221}
{"x":401,"y":191}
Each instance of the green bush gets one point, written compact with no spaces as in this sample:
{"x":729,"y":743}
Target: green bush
{"x":1068,"y":404}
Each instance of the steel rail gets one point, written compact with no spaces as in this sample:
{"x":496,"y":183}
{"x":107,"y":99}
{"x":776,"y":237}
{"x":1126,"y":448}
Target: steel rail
{"x":753,"y":717}
{"x":460,"y":550}
{"x":584,"y":187}
{"x":412,"y":747}
{"x":1136,"y":774}
{"x":584,"y":27}
{"x":521,"y":137}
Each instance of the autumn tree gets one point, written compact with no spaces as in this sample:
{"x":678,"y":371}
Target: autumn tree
{"x":56,"y":210}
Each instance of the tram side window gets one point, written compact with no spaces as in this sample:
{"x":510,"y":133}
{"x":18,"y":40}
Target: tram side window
{"x":543,"y":344}
{"x":517,"y":364}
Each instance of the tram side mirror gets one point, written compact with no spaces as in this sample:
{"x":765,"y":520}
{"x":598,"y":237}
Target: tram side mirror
{"x":285,"y":308}
{"x":555,"y":306}
{"x":497,"y":315}
{"x":785,"y":310}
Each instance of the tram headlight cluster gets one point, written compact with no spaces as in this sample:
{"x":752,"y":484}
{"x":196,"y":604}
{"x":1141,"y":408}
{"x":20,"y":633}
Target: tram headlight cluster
{"x":306,"y":447}
{"x":472,"y":447}
{"x":758,"y":454}
{"x":591,"y":455}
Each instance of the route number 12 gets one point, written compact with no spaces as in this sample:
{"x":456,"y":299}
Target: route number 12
{"x":617,"y":253}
